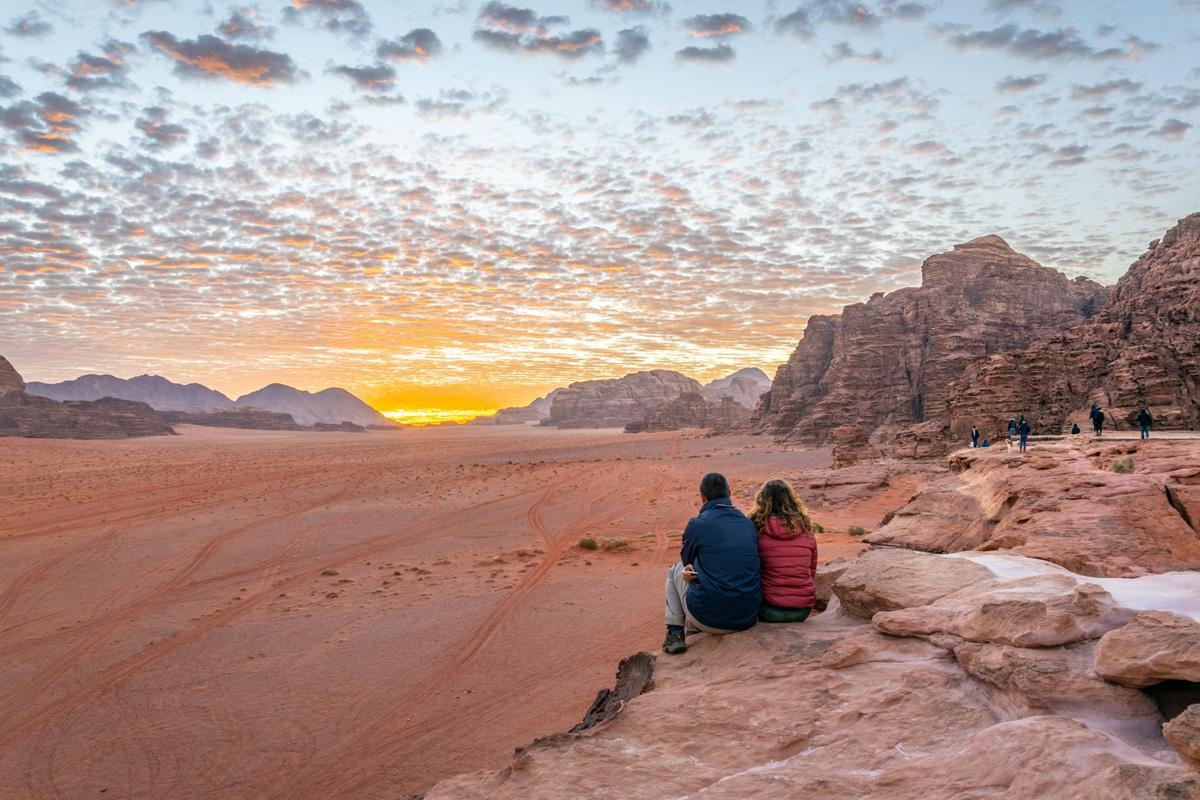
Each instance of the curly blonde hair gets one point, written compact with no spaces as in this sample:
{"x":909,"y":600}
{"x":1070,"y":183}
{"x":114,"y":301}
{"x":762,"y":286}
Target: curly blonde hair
{"x":777,"y":498}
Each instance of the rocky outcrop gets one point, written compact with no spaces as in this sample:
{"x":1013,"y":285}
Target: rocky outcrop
{"x":537,"y":411}
{"x":153,"y":390}
{"x":833,"y":708}
{"x":1062,"y":503}
{"x":1141,"y":348}
{"x":619,"y":402}
{"x":888,"y":363}
{"x":10,"y":379}
{"x":889,"y":580}
{"x":333,"y":405}
{"x":1156,"y":646}
{"x":251,"y":418}
{"x":1183,"y":732}
{"x":745,"y":386}
{"x":692,"y":410}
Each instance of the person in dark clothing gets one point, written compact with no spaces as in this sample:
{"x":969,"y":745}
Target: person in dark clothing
{"x":1097,"y":420}
{"x":1144,"y":421}
{"x":1074,"y":428}
{"x":974,"y":436}
{"x":1023,"y":429}
{"x":716,"y":586}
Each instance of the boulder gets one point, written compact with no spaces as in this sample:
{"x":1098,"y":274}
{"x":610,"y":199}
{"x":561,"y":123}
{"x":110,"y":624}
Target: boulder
{"x":1036,"y":611}
{"x":1183,"y":733}
{"x":890,"y":579}
{"x":1155,"y":646}
{"x":827,"y":575}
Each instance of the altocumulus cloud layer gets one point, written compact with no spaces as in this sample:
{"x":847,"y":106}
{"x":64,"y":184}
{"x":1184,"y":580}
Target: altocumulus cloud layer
{"x":468,"y":203}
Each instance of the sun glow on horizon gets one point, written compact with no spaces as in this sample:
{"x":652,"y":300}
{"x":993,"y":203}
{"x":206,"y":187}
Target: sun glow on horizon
{"x":418,"y":417}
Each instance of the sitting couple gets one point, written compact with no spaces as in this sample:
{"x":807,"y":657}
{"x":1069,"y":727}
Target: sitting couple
{"x":735,"y":570}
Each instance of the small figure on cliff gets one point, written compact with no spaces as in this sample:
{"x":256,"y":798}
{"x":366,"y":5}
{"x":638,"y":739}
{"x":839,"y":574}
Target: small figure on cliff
{"x":1097,"y":420}
{"x":974,"y":436}
{"x":1012,"y":431}
{"x":1024,"y":429}
{"x":716,"y":586}
{"x":1074,"y":428}
{"x":787,"y":551}
{"x":1144,"y":421}
{"x":986,"y":443}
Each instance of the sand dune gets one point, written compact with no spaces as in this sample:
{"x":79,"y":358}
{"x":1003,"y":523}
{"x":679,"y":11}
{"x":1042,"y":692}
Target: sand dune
{"x":272,"y":614}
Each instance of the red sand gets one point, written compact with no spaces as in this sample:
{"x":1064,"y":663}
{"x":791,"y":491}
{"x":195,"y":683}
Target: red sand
{"x":245,"y":614}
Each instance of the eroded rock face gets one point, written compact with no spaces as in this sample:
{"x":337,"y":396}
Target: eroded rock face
{"x":744,"y":386}
{"x":890,"y":579}
{"x":617,"y":403}
{"x":1155,"y":646}
{"x":890,"y":362}
{"x":692,"y":411}
{"x":1183,"y":733}
{"x":1038,"y":611}
{"x":1060,"y":503}
{"x":23,"y":414}
{"x":1141,"y":348}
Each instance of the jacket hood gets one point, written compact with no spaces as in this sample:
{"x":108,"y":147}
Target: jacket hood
{"x":776,"y":528}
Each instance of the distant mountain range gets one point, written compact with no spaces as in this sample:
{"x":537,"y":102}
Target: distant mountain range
{"x":330,"y":406}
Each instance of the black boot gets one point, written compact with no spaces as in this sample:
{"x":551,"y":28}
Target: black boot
{"x":674,"y":642}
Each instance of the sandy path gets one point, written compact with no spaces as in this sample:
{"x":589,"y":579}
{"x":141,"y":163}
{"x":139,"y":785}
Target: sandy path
{"x":259,"y":614}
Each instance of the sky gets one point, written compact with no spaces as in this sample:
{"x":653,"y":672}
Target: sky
{"x":461,"y":205}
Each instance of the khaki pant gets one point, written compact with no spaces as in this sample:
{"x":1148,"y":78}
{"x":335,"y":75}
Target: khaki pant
{"x":676,"y":612}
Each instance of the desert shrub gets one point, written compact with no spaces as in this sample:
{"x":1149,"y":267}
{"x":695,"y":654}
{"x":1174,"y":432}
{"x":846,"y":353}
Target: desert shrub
{"x":856,"y":530}
{"x":616,"y":544}
{"x":1125,"y":465}
{"x":588,"y":543}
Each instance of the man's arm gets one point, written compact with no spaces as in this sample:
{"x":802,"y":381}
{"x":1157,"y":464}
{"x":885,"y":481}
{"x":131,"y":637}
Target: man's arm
{"x":691,"y":547}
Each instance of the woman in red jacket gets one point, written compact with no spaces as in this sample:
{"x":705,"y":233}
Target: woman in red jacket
{"x":788,"y":552}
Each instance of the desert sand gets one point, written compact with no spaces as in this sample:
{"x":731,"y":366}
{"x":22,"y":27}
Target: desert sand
{"x":243,"y":614}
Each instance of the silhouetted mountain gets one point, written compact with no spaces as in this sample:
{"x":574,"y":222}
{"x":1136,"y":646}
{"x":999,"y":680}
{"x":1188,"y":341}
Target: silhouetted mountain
{"x":332,"y":405}
{"x":153,"y":390}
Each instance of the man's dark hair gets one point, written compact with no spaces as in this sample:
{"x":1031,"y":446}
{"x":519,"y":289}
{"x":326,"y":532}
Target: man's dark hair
{"x":713,"y":486}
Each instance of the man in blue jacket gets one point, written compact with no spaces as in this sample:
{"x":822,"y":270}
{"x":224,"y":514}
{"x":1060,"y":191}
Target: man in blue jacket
{"x":715,"y":586}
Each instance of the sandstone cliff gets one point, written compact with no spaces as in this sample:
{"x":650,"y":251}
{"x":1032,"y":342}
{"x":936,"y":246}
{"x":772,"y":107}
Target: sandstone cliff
{"x":1141,"y":348}
{"x":888,"y":363}
{"x":618,"y":402}
{"x":692,"y":410}
{"x":745,"y":386}
{"x":24,"y":414}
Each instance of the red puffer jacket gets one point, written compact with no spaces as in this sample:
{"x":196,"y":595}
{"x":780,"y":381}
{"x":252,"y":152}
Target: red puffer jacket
{"x":789,"y":564}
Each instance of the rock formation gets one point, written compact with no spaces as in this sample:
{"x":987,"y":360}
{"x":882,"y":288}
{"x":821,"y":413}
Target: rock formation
{"x":887,"y":364}
{"x":745,"y":386}
{"x":153,"y":390}
{"x":618,"y":402}
{"x":1142,"y":347}
{"x":537,"y":411}
{"x":692,"y":410}
{"x":1060,"y":503}
{"x":1156,"y":646}
{"x":332,"y":406}
{"x":24,"y":414}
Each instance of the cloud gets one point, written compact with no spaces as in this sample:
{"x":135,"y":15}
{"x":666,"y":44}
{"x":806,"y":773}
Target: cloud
{"x":9,"y":87}
{"x":106,"y":71}
{"x":459,"y":104}
{"x":338,"y":16}
{"x":1036,"y":45}
{"x":522,"y":30}
{"x":1172,"y":129}
{"x":804,"y":19}
{"x":632,"y":6}
{"x":843,"y":51}
{"x":632,"y":44}
{"x":1043,"y":8}
{"x":720,"y":54}
{"x":1069,"y":156}
{"x":245,"y":23}
{"x":160,"y":133}
{"x":374,"y":78}
{"x":1013,"y":83}
{"x":209,"y":57}
{"x":1101,"y":90}
{"x":420,"y":44}
{"x":708,"y":25}
{"x":28,"y":25}
{"x":47,"y":124}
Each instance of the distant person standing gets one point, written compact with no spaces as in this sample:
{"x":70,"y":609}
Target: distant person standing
{"x":1024,"y":429}
{"x":1097,"y":420}
{"x":974,"y":436}
{"x":1012,"y":431}
{"x":1144,"y":421}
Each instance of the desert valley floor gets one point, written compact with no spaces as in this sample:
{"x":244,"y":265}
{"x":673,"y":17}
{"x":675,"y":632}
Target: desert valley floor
{"x":245,"y":614}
